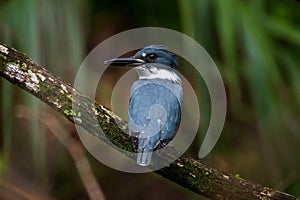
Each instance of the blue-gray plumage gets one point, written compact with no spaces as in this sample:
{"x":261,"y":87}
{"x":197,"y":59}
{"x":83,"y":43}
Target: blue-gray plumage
{"x":154,"y":109}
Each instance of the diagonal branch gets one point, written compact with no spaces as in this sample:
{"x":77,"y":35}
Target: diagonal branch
{"x":185,"y":171}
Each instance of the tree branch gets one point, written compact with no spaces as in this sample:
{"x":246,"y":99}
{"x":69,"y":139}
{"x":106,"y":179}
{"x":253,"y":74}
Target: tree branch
{"x":185,"y":171}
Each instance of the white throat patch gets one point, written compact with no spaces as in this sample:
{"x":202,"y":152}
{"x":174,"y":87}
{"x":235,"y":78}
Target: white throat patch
{"x":151,"y":72}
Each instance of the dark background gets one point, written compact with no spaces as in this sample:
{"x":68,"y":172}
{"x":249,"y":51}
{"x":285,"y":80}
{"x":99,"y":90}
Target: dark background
{"x":254,"y":43}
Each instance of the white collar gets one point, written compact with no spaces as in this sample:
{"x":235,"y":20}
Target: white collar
{"x":151,"y":72}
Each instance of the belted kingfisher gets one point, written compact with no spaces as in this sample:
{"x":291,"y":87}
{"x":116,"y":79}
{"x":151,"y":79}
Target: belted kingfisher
{"x":154,"y":110}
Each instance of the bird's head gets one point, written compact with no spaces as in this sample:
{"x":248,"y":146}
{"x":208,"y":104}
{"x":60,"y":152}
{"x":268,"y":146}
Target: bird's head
{"x":157,"y":54}
{"x":151,"y":62}
{"x":150,"y":54}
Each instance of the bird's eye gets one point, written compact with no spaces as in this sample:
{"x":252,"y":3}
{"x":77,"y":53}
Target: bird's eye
{"x":152,"y":56}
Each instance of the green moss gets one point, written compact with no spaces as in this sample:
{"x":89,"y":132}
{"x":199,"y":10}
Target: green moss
{"x":67,"y":112}
{"x":196,"y":179}
{"x":111,"y":130}
{"x":2,"y":60}
{"x":23,"y":66}
{"x":69,"y":96}
{"x":237,"y":176}
{"x":71,"y":112}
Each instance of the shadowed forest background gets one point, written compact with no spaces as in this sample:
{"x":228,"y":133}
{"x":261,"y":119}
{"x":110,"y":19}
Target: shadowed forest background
{"x":255,"y":44}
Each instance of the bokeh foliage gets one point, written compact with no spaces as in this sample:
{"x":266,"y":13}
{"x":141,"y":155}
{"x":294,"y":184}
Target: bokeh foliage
{"x":255,"y":44}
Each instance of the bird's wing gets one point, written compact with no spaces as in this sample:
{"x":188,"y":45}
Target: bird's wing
{"x":154,"y":110}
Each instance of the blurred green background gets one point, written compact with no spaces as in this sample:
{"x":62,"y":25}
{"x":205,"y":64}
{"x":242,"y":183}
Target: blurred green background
{"x":255,"y":44}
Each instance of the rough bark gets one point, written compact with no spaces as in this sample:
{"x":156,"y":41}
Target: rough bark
{"x":185,"y":171}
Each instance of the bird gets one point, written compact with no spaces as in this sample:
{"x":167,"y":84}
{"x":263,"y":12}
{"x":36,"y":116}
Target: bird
{"x":154,"y":109}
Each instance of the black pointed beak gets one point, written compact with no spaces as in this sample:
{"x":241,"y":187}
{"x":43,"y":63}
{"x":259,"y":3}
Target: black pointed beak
{"x":129,"y":62}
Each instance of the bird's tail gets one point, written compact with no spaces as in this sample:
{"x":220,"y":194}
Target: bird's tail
{"x":149,"y":139}
{"x":144,"y":157}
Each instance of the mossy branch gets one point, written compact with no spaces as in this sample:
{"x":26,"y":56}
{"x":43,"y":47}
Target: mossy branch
{"x":185,"y":171}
